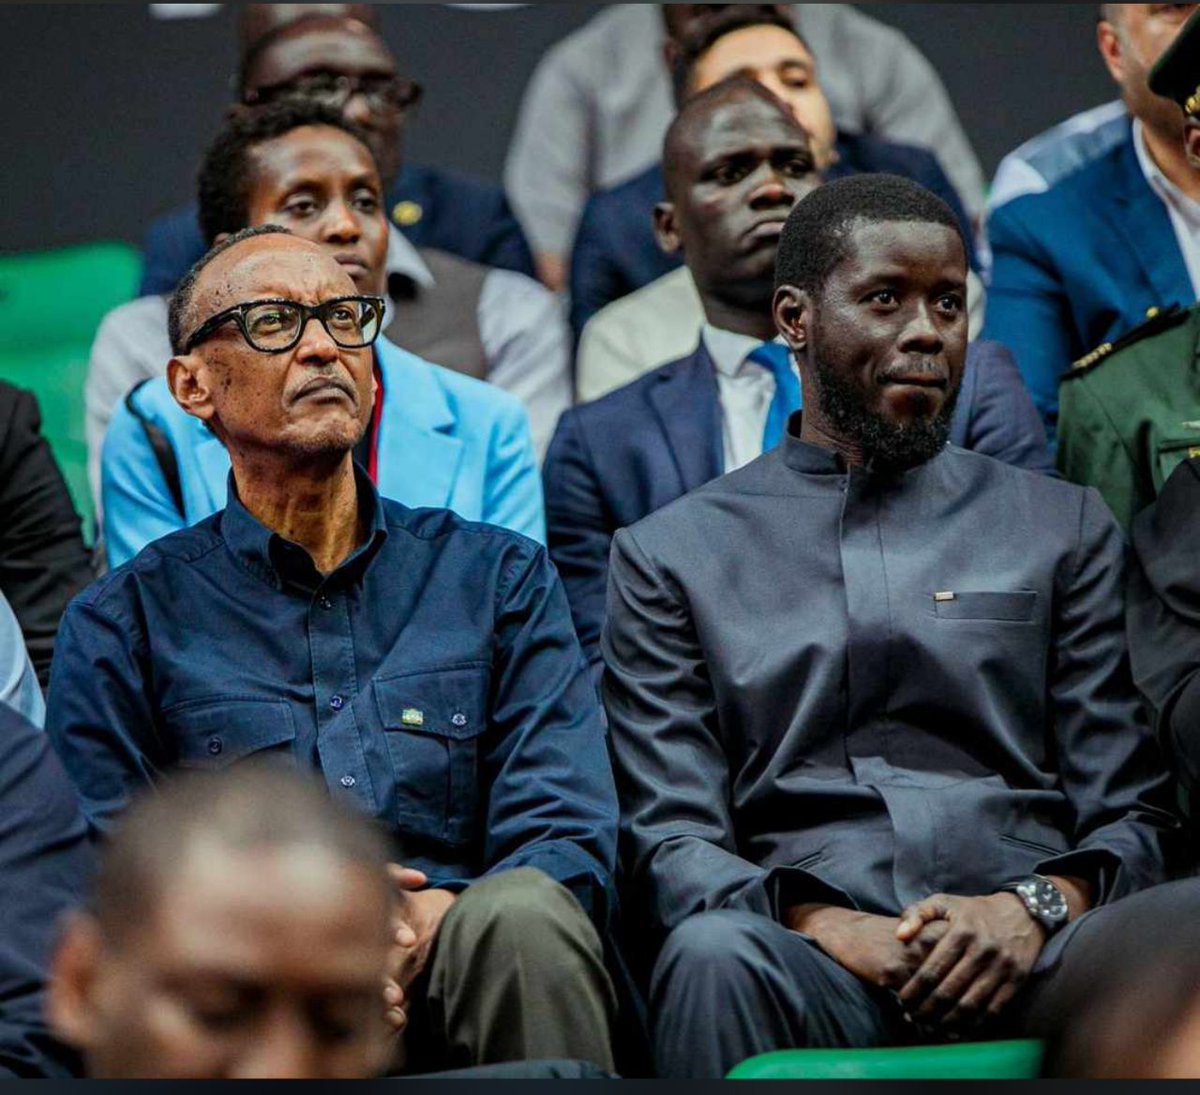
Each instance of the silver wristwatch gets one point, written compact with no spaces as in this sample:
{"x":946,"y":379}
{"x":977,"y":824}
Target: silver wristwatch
{"x":1043,"y":900}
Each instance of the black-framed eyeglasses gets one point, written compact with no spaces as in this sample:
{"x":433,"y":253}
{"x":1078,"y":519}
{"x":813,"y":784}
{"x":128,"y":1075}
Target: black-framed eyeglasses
{"x":275,"y":326}
{"x":335,"y":90}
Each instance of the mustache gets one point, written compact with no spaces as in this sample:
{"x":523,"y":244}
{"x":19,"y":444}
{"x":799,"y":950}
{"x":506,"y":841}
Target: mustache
{"x":920,"y":368}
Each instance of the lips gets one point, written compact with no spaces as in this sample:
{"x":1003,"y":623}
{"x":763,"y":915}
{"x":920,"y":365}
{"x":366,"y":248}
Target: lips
{"x":353,"y":264}
{"x":766,"y":229}
{"x":916,"y":376}
{"x":321,"y":384}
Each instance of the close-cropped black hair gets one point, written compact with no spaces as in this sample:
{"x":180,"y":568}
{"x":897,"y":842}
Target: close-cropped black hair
{"x":817,"y":233}
{"x":709,"y":29}
{"x":223,"y":185}
{"x":178,"y":322}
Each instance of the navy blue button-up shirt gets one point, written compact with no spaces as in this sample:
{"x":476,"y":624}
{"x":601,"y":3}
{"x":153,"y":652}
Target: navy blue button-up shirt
{"x":434,"y":679}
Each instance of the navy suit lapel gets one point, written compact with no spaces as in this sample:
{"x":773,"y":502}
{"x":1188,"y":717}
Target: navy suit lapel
{"x":686,"y":402}
{"x":1140,"y":217}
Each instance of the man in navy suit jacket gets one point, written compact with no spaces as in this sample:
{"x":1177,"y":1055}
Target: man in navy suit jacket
{"x":1079,"y":262}
{"x":433,"y":208}
{"x":616,"y":460}
{"x":615,"y":251}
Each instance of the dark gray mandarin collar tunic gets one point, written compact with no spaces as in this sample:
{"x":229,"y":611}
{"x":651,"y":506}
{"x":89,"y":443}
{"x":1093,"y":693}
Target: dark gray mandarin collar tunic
{"x":838,"y":685}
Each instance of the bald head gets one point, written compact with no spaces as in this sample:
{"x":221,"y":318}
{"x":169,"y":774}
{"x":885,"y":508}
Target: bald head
{"x":257,"y":20}
{"x":711,"y":108}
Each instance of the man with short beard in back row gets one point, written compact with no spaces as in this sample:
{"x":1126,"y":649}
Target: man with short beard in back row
{"x":883,"y":773}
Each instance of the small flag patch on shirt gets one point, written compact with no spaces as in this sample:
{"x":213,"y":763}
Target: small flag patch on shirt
{"x":943,"y":596}
{"x":412,"y":716}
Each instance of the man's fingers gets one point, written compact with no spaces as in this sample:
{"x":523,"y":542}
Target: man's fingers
{"x":915,"y":917}
{"x":1004,"y":995}
{"x":406,"y":878}
{"x":964,"y":989}
{"x":942,"y":959}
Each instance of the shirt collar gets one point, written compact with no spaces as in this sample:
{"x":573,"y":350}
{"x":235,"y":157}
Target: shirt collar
{"x":277,"y":561}
{"x":811,"y":459}
{"x":728,"y":349}
{"x":1159,"y":183}
{"x":404,"y":259}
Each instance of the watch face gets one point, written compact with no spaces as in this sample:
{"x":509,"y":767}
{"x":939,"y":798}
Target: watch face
{"x":1044,"y":900}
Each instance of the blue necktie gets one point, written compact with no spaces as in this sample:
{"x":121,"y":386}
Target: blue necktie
{"x":778,"y":358}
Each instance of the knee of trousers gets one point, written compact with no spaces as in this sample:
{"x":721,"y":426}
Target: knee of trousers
{"x":524,"y":913}
{"x":721,"y":947}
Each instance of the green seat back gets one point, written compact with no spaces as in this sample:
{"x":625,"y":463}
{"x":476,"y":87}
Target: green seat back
{"x":51,"y":303}
{"x":1019,"y":1060}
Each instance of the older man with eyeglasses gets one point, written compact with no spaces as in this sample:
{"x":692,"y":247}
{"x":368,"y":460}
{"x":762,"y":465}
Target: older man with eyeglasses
{"x":425,"y":665}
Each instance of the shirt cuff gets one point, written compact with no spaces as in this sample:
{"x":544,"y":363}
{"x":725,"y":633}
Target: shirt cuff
{"x":1097,"y":866}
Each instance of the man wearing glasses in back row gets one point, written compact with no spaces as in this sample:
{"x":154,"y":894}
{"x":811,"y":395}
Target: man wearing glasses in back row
{"x":425,"y":665}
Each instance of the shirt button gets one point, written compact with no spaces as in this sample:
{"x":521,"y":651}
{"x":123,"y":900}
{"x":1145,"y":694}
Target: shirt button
{"x":459,"y":719}
{"x":215,"y":745}
{"x":348,"y":781}
{"x":336,"y":702}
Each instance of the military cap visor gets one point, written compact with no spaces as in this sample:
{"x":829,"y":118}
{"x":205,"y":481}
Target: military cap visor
{"x":1176,"y":75}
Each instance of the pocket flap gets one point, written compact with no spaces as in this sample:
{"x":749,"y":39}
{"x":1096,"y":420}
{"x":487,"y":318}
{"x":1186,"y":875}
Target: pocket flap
{"x":1017,"y":605}
{"x":448,"y":703}
{"x":215,"y":733}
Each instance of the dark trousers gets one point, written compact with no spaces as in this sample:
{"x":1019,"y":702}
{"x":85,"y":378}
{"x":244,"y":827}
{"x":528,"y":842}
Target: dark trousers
{"x":730,"y":985}
{"x":516,"y":974}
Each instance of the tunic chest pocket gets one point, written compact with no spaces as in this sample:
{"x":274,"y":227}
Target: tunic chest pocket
{"x":431,"y":722}
{"x":1016,"y":607}
{"x":214,"y":734}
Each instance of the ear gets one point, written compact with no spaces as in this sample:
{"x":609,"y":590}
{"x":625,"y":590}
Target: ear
{"x":1109,"y":42}
{"x":1191,"y":140}
{"x":187,"y":378}
{"x":70,"y":995}
{"x":791,"y":309}
{"x":666,"y":229}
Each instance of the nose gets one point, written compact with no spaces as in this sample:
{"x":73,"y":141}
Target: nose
{"x":340,"y":225}
{"x":922,"y":333}
{"x":284,"y":1049}
{"x":358,"y":110}
{"x":316,"y":347}
{"x":773,"y":189}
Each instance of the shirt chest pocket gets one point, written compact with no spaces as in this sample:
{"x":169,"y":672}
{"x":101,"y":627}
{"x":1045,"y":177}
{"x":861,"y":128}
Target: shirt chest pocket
{"x":1015,"y":607}
{"x":432,"y":722}
{"x":214,"y":734}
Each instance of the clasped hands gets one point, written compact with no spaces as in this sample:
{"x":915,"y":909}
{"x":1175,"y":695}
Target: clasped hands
{"x":416,"y":918}
{"x":952,"y":961}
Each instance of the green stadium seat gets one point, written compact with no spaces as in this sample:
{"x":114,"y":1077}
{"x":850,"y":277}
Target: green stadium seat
{"x":51,"y":303}
{"x":1018,"y":1060}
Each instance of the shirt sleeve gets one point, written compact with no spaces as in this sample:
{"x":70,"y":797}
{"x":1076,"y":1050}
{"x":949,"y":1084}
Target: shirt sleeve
{"x":18,"y":683}
{"x":551,"y":801}
{"x":100,"y":717}
{"x":1004,"y":422}
{"x":579,"y":530}
{"x":43,"y":559}
{"x":528,"y":347}
{"x":1112,"y":770}
{"x":1028,"y":310}
{"x":680,"y":849}
{"x":546,"y":174}
{"x":45,"y":870}
{"x":513,"y":487}
{"x":137,"y":504}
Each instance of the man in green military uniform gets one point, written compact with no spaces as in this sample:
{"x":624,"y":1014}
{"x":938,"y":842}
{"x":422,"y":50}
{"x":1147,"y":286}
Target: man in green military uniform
{"x":1129,"y":412}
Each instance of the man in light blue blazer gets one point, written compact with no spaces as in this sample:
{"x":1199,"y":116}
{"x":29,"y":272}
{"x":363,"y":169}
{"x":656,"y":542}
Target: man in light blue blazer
{"x":437,"y":438}
{"x":1078,"y":258}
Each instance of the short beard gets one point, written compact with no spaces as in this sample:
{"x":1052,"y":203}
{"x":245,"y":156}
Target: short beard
{"x":886,"y":445}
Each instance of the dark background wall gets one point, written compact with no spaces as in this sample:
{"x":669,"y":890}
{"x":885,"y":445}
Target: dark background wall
{"x":106,"y":109}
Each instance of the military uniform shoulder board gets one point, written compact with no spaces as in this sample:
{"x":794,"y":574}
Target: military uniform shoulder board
{"x":1157,"y":320}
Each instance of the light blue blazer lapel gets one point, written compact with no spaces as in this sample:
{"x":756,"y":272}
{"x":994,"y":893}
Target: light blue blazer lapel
{"x":1138,"y":214}
{"x":419,"y":458}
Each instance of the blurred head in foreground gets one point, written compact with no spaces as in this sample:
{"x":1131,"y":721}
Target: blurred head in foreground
{"x":239,"y":930}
